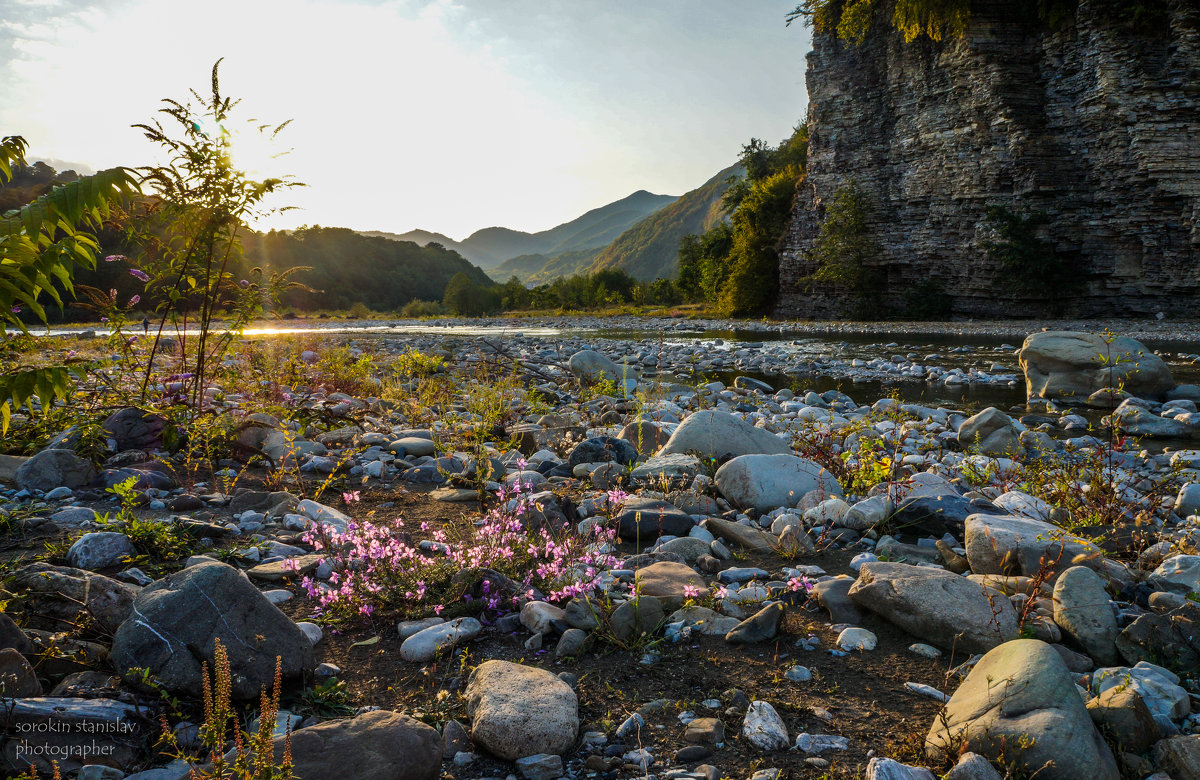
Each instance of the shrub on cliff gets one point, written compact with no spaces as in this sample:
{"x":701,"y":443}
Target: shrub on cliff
{"x":1028,"y":264}
{"x":845,"y":249}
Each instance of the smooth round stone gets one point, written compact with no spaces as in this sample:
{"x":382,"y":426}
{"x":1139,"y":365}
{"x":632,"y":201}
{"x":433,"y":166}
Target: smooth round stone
{"x":798,"y":674}
{"x":311,"y":630}
{"x":925,"y":651}
{"x":855,"y":638}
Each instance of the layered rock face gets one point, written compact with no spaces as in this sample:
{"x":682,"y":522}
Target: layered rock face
{"x":1094,"y":124}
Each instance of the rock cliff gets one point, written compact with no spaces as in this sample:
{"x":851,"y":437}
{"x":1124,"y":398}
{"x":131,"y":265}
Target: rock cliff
{"x":1094,"y":124}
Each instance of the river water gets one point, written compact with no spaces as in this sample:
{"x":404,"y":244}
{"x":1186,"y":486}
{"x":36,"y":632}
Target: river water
{"x":950,"y":349}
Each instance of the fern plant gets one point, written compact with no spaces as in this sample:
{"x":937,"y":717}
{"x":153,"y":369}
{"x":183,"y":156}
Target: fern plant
{"x":41,"y":246}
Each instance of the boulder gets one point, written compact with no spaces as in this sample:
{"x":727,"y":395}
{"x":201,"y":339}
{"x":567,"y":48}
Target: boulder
{"x":17,"y":678}
{"x":1123,"y":716}
{"x":1172,"y":639}
{"x":519,"y":710}
{"x":765,"y":482}
{"x":603,"y":449}
{"x":1158,"y":688}
{"x":1019,"y":701}
{"x":58,"y":596}
{"x":590,"y":366}
{"x":744,"y":536}
{"x":177,"y":620}
{"x":941,"y":608}
{"x":1136,"y":421}
{"x":1084,"y":613}
{"x":378,"y":745}
{"x":648,"y":518}
{"x":1178,"y":574}
{"x":1011,"y":545}
{"x":636,"y":617}
{"x":671,"y":468}
{"x":763,"y":728}
{"x":99,"y":550}
{"x":1179,"y":756}
{"x":55,"y":468}
{"x":667,"y":582}
{"x":135,"y":429}
{"x":425,"y":644}
{"x":73,"y":732}
{"x":1068,"y":364}
{"x":645,"y":436}
{"x":714,"y":434}
{"x":991,"y":432}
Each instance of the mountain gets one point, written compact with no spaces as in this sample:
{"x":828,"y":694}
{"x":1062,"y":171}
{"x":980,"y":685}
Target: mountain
{"x":650,"y":249}
{"x":492,"y":246}
{"x":425,"y":237}
{"x":539,"y":269}
{"x":593,"y":230}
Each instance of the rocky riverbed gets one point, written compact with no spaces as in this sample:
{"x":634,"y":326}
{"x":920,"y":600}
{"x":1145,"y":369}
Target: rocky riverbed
{"x":497,"y":554}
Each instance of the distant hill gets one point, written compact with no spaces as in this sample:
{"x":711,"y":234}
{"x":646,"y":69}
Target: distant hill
{"x":425,"y":237}
{"x":650,"y":249}
{"x":345,"y":267}
{"x":539,"y":269}
{"x":490,"y":247}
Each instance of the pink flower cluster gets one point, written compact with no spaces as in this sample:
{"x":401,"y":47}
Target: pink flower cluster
{"x":377,"y":569}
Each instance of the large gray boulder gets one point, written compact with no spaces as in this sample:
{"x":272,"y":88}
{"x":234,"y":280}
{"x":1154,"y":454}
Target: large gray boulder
{"x":1012,"y":545}
{"x":1084,"y":613}
{"x":936,"y":606}
{"x":55,"y":468}
{"x":713,"y":434}
{"x":100,"y":549}
{"x":1068,"y":364}
{"x":377,"y":745}
{"x":991,"y":431}
{"x":519,"y":711}
{"x":648,"y":518}
{"x":135,"y":429}
{"x":764,"y":482}
{"x":59,"y":596}
{"x":590,"y":366}
{"x":176,"y":622}
{"x":71,"y":732}
{"x":1020,"y":702}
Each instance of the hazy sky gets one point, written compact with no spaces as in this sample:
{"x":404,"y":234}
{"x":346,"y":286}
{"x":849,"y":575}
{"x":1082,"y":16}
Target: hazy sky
{"x":439,"y":114}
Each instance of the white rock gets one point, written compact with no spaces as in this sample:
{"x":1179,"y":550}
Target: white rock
{"x":855,"y":638}
{"x":425,"y":645}
{"x":763,"y":727}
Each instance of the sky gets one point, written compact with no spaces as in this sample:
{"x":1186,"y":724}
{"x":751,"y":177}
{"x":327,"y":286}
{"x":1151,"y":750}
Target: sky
{"x":445,"y":115}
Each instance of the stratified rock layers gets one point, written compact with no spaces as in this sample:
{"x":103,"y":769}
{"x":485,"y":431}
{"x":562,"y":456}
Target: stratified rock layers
{"x":1094,"y":124}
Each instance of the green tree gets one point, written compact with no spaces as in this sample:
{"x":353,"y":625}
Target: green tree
{"x":758,"y":226}
{"x":844,"y":249}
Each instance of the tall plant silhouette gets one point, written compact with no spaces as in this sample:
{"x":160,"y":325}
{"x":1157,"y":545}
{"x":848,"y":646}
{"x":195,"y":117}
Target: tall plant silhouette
{"x":198,"y":204}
